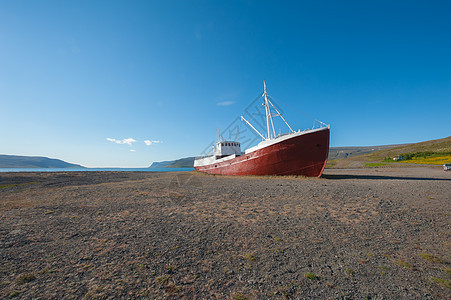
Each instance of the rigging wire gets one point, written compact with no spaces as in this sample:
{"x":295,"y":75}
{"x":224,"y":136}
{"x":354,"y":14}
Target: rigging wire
{"x":276,"y":100}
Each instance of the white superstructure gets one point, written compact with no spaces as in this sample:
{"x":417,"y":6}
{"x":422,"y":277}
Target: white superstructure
{"x":226,"y":148}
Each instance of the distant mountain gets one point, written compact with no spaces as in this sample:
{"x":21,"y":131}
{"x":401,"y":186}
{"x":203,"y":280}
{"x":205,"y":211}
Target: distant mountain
{"x":186,"y":162}
{"x":348,"y":152}
{"x":14,"y":161}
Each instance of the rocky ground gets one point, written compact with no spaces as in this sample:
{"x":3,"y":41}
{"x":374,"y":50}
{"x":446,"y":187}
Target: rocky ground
{"x":352,"y":234}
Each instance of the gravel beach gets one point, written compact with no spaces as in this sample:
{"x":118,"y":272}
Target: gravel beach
{"x":377,"y":233}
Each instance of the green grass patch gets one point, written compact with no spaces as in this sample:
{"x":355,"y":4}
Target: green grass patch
{"x":13,"y":294}
{"x":442,"y":282}
{"x":403,"y":264}
{"x":239,"y":296}
{"x":250,"y":257}
{"x":47,"y":271}
{"x":383,"y":271}
{"x":310,"y":276}
{"x":24,"y":278}
{"x":162,"y":279}
{"x":170,"y":269}
{"x":5,"y":186}
{"x":349,"y":271}
{"x":431,"y":258}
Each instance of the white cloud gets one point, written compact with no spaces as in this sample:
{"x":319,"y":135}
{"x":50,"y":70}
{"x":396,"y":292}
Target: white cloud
{"x":226,"y":99}
{"x":225,"y":103}
{"x":132,"y":150}
{"x":128,"y":141}
{"x":148,"y":142}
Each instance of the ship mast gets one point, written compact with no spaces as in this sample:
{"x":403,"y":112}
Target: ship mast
{"x":269,"y":121}
{"x":268,"y":113}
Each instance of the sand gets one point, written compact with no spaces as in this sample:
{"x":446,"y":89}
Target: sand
{"x":352,"y":234}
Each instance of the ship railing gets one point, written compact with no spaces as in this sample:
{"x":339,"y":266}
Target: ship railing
{"x":203,"y":156}
{"x":282,"y":134}
{"x":316,"y":125}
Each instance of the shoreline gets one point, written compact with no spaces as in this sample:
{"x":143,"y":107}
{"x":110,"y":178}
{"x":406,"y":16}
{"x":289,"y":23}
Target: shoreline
{"x":55,"y":170}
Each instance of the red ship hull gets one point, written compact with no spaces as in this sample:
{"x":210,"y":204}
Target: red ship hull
{"x":304,"y":154}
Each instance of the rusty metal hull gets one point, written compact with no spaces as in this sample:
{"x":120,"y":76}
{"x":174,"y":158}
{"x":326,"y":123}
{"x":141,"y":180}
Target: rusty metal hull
{"x":304,"y":155}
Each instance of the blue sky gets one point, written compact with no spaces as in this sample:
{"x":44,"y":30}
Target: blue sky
{"x":90,"y":81}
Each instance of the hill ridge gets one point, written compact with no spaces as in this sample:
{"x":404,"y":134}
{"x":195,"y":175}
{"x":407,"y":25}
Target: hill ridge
{"x":18,"y":161}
